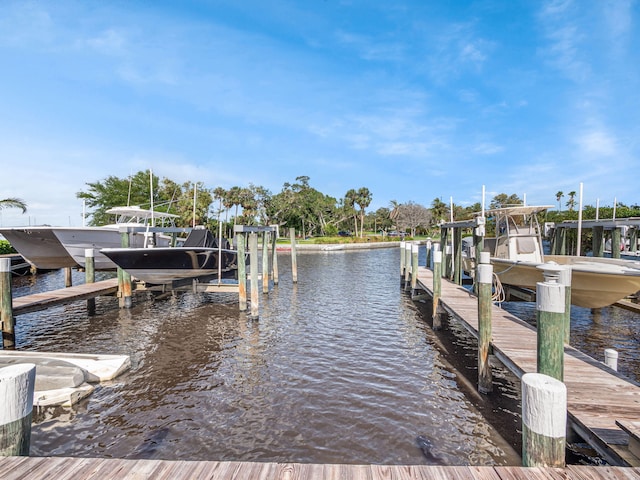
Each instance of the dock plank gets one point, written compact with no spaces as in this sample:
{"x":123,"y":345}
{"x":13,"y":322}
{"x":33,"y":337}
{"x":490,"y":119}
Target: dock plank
{"x":42,"y":301}
{"x":597,"y":397}
{"x":35,"y":468}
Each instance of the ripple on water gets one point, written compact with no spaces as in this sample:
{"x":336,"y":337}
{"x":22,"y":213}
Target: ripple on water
{"x":339,"y":368}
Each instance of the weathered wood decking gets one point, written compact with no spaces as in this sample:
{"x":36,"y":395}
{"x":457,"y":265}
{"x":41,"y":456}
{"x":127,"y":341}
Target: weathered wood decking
{"x":59,"y":468}
{"x":41,"y":301}
{"x":596,"y":395}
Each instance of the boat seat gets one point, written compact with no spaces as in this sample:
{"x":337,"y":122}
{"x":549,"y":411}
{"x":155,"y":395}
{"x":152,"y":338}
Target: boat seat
{"x":200,"y":237}
{"x":526,"y":244}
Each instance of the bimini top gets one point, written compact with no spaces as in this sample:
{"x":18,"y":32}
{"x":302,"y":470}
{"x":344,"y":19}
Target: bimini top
{"x":513,"y":210}
{"x":139,"y":213}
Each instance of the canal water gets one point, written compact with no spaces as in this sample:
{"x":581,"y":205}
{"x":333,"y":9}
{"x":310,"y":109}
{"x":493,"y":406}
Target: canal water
{"x":339,"y":368}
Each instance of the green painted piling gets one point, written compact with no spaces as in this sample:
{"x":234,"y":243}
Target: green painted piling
{"x":544,"y":420}
{"x":6,"y":304}
{"x":17,"y":383}
{"x":550,"y":316}
{"x":485,"y":280}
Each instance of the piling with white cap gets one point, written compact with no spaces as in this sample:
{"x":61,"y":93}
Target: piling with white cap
{"x":17,"y":384}
{"x":544,"y":421}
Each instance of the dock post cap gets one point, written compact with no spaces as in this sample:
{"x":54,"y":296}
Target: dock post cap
{"x":551,"y":271}
{"x":5,"y":264}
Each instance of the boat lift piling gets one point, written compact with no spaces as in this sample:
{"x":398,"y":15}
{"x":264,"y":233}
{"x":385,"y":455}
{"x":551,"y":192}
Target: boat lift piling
{"x":6,"y":305}
{"x":294,"y":261}
{"x":269,"y":264}
{"x":124,"y":278}
{"x":485,"y":282}
{"x":90,"y":276}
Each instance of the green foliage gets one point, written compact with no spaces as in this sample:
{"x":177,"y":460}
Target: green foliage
{"x":5,"y":248}
{"x":13,"y":203}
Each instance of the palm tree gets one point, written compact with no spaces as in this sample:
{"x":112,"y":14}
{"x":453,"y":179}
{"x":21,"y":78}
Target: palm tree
{"x":559,"y":195}
{"x":363,"y":199}
{"x":13,"y":203}
{"x":571,"y":203}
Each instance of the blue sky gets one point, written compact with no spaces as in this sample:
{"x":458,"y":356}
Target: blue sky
{"x":414,"y":100}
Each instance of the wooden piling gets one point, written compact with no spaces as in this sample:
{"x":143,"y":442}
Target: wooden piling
{"x":598,"y":241}
{"x":17,"y":384}
{"x":565,"y":280}
{"x":253,"y":265}
{"x":457,"y":256}
{"x":68,"y":277}
{"x":402,"y":261}
{"x":274,"y":258}
{"x":124,"y":278}
{"x":265,"y":262}
{"x":485,"y":280}
{"x":616,"y":241}
{"x":633,"y":239}
{"x":294,"y":261}
{"x":6,"y":304}
{"x":437,"y":289}
{"x":428,"y":254}
{"x":544,"y":419}
{"x":550,"y":316}
{"x":407,"y":265}
{"x":242,"y":271}
{"x":90,"y":276}
{"x":414,"y":267}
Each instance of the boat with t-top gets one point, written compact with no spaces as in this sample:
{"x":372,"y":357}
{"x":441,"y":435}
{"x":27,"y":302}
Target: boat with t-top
{"x":516,"y":252}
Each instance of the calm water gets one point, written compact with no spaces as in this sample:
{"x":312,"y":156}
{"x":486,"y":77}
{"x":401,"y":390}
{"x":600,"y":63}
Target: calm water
{"x":340,"y":368}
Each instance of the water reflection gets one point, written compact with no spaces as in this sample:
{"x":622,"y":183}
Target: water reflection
{"x":340,"y":368}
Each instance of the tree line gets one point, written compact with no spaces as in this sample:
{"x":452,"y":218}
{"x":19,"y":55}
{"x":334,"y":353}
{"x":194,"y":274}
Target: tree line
{"x":298,"y":205}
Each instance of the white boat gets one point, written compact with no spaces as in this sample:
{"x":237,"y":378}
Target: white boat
{"x":595,"y":282}
{"x":39,"y":246}
{"x":76,"y":240}
{"x":59,"y":247}
{"x":200,"y":255}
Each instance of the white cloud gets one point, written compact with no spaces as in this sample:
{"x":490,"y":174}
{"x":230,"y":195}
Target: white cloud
{"x":597,"y":143}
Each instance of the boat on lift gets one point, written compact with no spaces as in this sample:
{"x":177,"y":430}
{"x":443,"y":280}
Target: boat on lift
{"x":200,"y":255}
{"x":516,"y":252}
{"x":49,"y":248}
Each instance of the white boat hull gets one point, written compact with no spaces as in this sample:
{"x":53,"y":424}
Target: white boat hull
{"x":39,"y":246}
{"x":77,"y":240}
{"x":595,"y":282}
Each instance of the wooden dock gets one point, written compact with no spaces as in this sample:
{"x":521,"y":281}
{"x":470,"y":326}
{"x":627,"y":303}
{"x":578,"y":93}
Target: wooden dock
{"x":597,"y":396}
{"x":61,"y":468}
{"x":42,"y":301}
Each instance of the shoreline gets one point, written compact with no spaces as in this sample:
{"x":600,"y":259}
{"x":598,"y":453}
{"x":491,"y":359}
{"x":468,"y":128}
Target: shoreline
{"x":331,"y":247}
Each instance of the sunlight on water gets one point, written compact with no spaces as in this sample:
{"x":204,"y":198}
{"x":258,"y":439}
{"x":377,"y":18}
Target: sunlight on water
{"x":339,"y":368}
